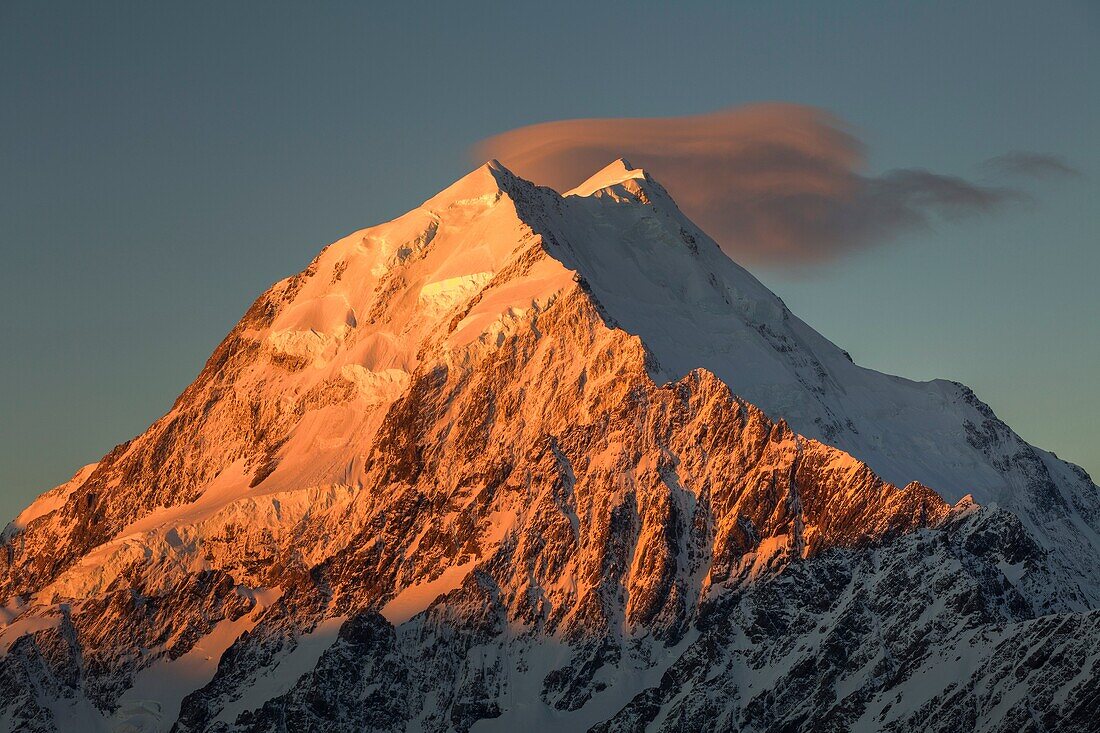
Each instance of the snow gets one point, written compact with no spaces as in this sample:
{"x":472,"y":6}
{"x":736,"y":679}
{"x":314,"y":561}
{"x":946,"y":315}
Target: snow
{"x":51,"y":500}
{"x":523,"y":708}
{"x":174,"y":536}
{"x":479,"y":187}
{"x":697,"y":309}
{"x":507,"y":302}
{"x":758,"y":562}
{"x":417,"y":597}
{"x":152,"y":704}
{"x":413,"y":599}
{"x":617,"y":172}
{"x":278,"y":679}
{"x":453,"y":279}
{"x":325,"y":314}
{"x":659,"y":277}
{"x":27,"y":624}
{"x":376,"y":387}
{"x":453,"y":288}
{"x":313,"y":346}
{"x":78,"y":715}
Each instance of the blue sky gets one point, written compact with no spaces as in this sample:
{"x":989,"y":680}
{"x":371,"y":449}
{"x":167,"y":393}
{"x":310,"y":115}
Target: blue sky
{"x":160,"y":167}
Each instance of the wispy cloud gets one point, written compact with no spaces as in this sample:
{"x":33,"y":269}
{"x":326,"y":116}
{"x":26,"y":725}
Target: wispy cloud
{"x":770,"y":182}
{"x":1030,"y":165}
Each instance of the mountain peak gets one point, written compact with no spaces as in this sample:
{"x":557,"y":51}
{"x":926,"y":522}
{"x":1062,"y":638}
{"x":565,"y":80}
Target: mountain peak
{"x":487,"y":180}
{"x":511,"y":442}
{"x":614,"y":173}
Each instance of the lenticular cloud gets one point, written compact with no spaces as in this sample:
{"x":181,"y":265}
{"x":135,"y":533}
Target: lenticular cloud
{"x":780,"y":183}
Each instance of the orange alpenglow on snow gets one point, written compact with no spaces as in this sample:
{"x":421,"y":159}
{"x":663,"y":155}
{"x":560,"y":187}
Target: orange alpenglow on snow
{"x":522,"y":458}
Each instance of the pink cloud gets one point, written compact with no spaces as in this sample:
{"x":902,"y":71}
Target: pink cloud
{"x":770,"y":182}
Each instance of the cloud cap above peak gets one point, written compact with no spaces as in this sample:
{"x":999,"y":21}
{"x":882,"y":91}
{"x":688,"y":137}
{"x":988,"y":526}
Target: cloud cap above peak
{"x":772,"y":183}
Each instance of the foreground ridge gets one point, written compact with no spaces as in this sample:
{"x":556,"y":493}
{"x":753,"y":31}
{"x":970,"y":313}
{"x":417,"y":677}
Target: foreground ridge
{"x":518,"y":458}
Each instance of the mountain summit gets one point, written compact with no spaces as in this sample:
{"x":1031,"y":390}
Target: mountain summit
{"x":522,"y":458}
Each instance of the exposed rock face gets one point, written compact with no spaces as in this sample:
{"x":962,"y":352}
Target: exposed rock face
{"x":459,"y":474}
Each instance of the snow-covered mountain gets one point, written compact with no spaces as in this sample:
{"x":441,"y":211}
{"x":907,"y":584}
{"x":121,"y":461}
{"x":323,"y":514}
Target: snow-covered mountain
{"x":526,"y":459}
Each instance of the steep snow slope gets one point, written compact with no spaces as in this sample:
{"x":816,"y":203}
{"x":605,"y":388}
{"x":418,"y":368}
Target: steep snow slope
{"x":555,"y":440}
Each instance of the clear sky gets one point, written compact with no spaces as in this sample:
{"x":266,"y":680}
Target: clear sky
{"x":161,"y":166}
